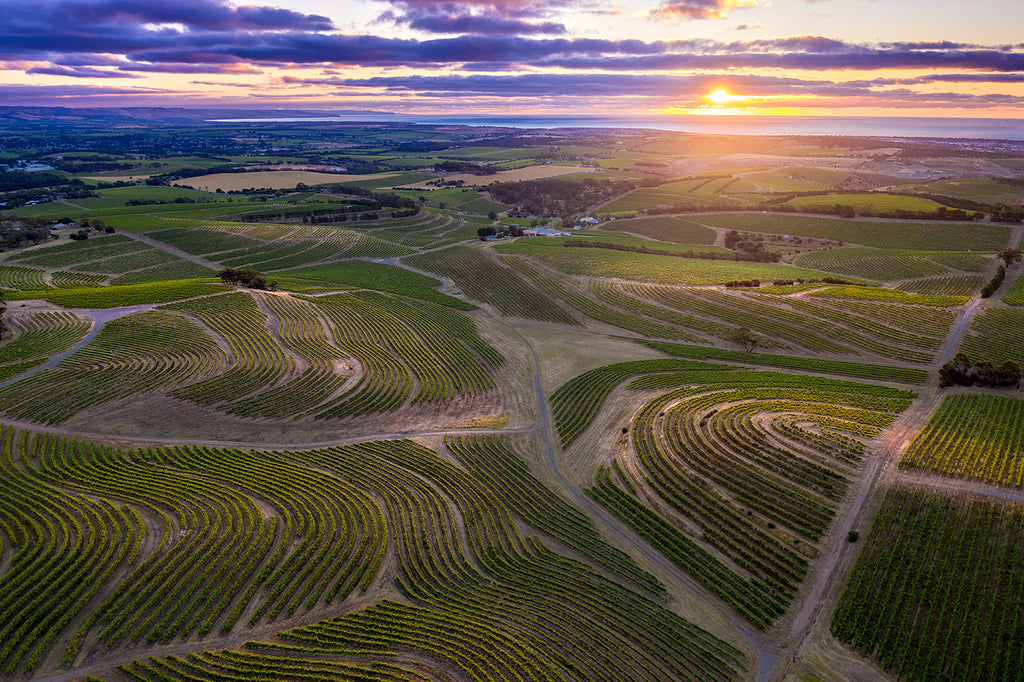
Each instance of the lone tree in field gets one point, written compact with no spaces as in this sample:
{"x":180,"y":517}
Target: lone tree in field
{"x":745,"y":338}
{"x":1010,"y":255}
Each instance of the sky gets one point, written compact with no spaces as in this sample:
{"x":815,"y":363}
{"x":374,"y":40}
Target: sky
{"x":948,"y":58}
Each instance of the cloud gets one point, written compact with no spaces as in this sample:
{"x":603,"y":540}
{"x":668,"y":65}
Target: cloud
{"x":77,"y":72}
{"x":79,"y":15}
{"x":481,"y":24}
{"x":479,"y":17}
{"x":79,"y":95}
{"x":699,"y":9}
{"x":226,"y":69}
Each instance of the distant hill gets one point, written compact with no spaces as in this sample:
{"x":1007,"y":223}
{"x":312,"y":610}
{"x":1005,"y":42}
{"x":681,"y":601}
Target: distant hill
{"x":162,"y":115}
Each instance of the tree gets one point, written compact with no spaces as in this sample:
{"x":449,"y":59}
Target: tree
{"x":249,"y":278}
{"x":1010,"y":255}
{"x":745,"y":338}
{"x":485,"y":232}
{"x":3,"y":310}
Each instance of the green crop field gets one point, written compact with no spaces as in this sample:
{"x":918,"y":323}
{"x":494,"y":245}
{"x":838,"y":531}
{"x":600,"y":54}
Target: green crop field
{"x":983,"y":190}
{"x":880,"y":234}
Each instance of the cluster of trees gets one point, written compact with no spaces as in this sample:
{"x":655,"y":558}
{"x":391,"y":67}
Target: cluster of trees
{"x":492,"y":231}
{"x":993,"y":284}
{"x":181,"y":173}
{"x":743,"y":283}
{"x":1008,"y":214}
{"x":749,"y":247}
{"x":15,"y":180}
{"x":960,"y":371}
{"x":11,"y":238}
{"x":464,"y":167}
{"x":95,"y":163}
{"x":555,"y":197}
{"x":253,"y":279}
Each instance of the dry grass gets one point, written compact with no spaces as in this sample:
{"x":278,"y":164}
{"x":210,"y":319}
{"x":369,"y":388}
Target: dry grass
{"x":514,"y":175}
{"x":492,"y":421}
{"x":279,"y":179}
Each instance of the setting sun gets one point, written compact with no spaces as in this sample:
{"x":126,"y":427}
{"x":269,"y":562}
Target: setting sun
{"x":721,"y":97}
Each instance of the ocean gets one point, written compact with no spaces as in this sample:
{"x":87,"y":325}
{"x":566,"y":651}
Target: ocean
{"x":858,"y":126}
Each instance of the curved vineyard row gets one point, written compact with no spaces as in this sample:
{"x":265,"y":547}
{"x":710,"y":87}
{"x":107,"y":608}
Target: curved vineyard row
{"x":956,"y":285}
{"x":182,"y":542}
{"x":130,"y":355}
{"x":591,"y":308}
{"x":485,"y":280}
{"x":491,"y":460}
{"x":997,"y":335}
{"x":878,"y":264}
{"x":748,"y":469}
{"x":42,"y":333}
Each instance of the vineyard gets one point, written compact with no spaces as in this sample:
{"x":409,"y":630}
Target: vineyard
{"x":406,"y":352}
{"x":690,"y":434}
{"x":748,"y":468}
{"x":176,"y":543}
{"x":935,"y":593}
{"x":972,"y":436}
